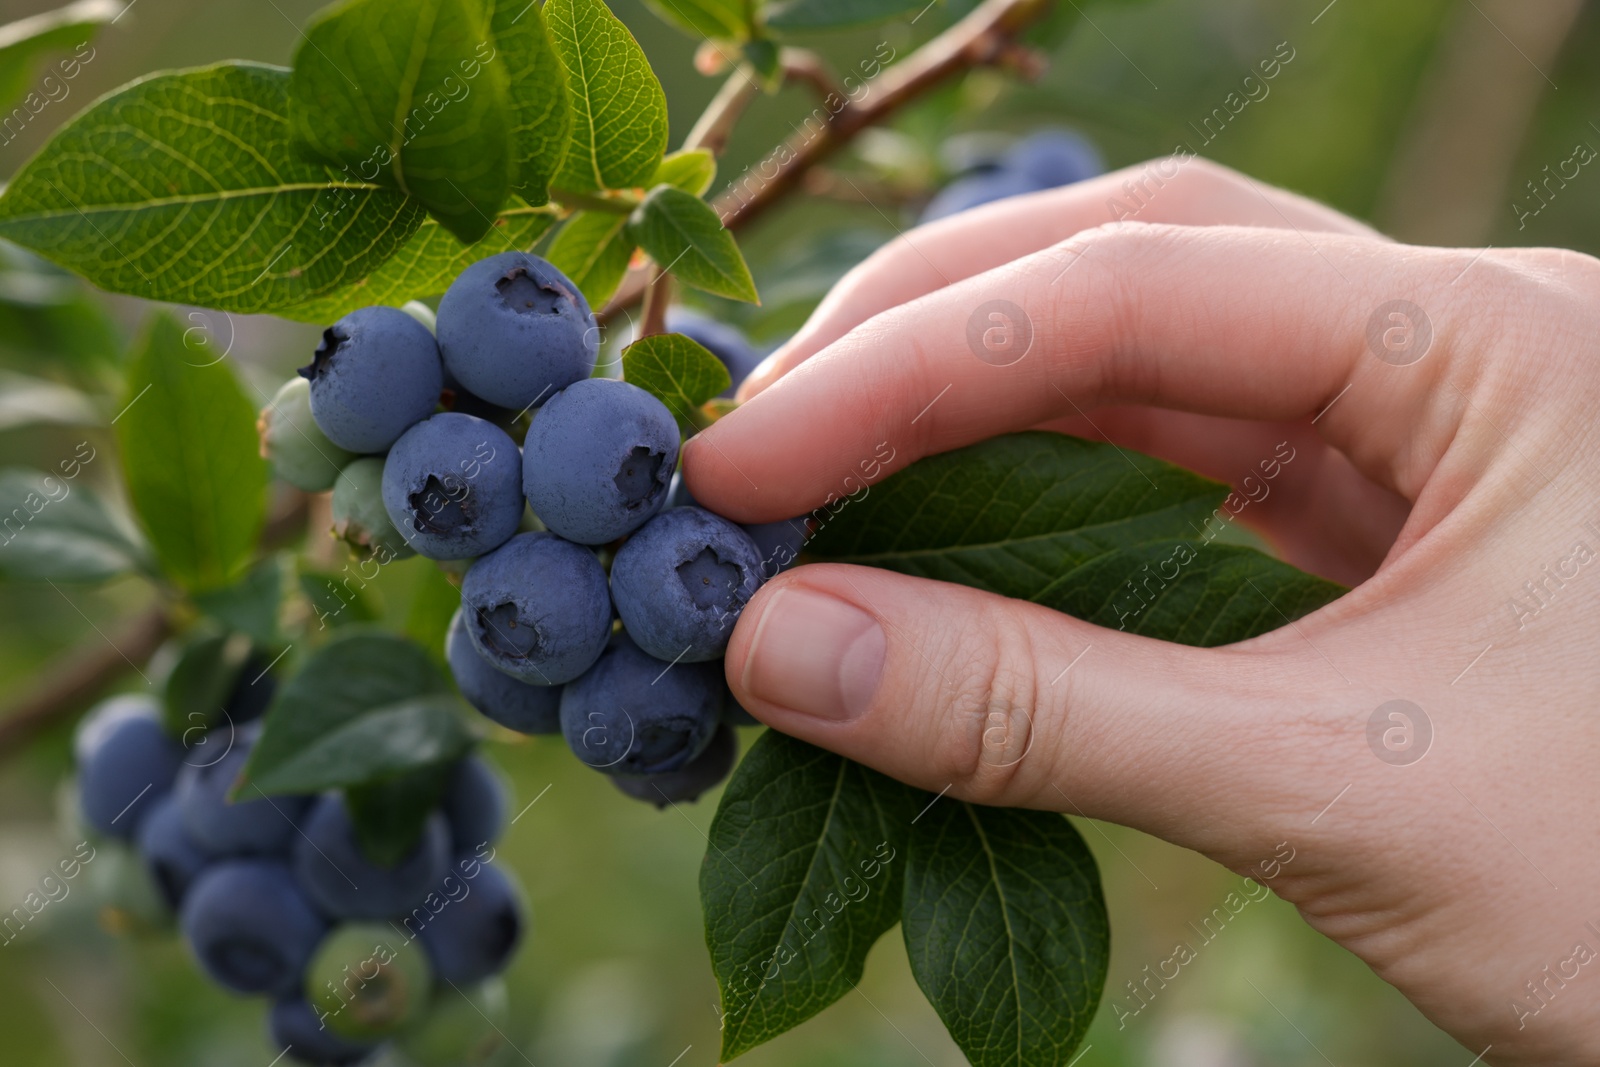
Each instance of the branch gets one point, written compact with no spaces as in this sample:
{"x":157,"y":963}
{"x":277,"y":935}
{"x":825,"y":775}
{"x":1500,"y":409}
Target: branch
{"x":657,"y":295}
{"x":76,"y":677}
{"x":986,"y":37}
{"x":715,"y":124}
{"x":983,"y":38}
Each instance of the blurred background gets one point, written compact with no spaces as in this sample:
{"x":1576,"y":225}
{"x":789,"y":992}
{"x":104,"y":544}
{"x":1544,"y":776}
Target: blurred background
{"x":1433,"y":119}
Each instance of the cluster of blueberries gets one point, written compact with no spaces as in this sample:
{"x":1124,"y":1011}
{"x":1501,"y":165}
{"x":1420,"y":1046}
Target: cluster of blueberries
{"x":1042,"y":160}
{"x":581,"y":526}
{"x":276,"y":896}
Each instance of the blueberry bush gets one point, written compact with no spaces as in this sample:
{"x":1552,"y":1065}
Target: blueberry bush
{"x":466,"y":195}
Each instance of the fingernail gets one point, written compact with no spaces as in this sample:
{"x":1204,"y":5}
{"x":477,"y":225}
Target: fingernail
{"x":815,"y":654}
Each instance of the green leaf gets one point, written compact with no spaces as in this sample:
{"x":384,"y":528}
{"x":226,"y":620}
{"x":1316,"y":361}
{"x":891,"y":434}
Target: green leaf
{"x":53,"y":528}
{"x":366,"y":706}
{"x":250,"y":605}
{"x":793,"y":15}
{"x":803,"y":875}
{"x":24,"y":42}
{"x":1086,"y":528}
{"x":335,"y":601}
{"x":678,"y":371}
{"x":389,"y":815}
{"x":408,"y":93}
{"x":196,"y":691}
{"x":690,"y":169}
{"x":26,"y":401}
{"x":541,"y":115}
{"x":766,"y":59}
{"x":190,"y":457}
{"x":1006,"y":929}
{"x":724,"y":19}
{"x":426,"y":265}
{"x":683,"y":234}
{"x":619,"y":128}
{"x":183,"y":187}
{"x":593,"y":249}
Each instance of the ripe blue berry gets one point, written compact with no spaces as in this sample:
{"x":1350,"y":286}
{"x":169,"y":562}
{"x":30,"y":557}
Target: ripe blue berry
{"x":779,"y":544}
{"x":130,"y":769}
{"x":974,"y":190}
{"x":96,"y":724}
{"x":453,"y":484}
{"x":293,"y":1026}
{"x":359,"y":517}
{"x":511,"y":702}
{"x":337,"y":875}
{"x":597,"y":460}
{"x":537,"y":608}
{"x":375,"y":374}
{"x":250,"y":926}
{"x":513,"y":330}
{"x":692,"y":779}
{"x":680,"y":582}
{"x":253,"y":825}
{"x":173,"y":857}
{"x":300,"y":452}
{"x":635,"y":714}
{"x":1051,"y":158}
{"x":474,"y":936}
{"x":474,"y":804}
{"x":725,"y":342}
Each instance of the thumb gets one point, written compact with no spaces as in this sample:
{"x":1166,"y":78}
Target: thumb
{"x":1004,"y":702}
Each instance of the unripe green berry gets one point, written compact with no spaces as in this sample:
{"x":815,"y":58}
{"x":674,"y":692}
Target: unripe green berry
{"x":359,"y":517}
{"x":301,"y":454}
{"x":367,"y":983}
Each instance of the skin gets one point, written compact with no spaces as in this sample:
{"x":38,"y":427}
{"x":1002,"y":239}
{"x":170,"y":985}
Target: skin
{"x":1217,"y":322}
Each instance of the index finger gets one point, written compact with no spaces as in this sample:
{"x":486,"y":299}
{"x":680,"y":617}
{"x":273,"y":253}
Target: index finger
{"x":1246,"y":323}
{"x":1182,"y":190}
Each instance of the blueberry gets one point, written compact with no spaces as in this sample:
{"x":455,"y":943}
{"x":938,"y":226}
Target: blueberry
{"x":733,"y":712}
{"x":453,"y":484}
{"x":250,"y":926}
{"x":598,"y":459}
{"x":294,"y":1027}
{"x":681,"y":581}
{"x":300,"y":452}
{"x":511,"y":702}
{"x":537,"y":608}
{"x":464,"y":1027}
{"x":252,"y":692}
{"x":174,"y":858}
{"x":131,"y":768}
{"x":725,"y":342}
{"x":359,"y":517}
{"x":375,"y":374}
{"x":474,"y":804}
{"x":96,"y":724}
{"x":694,"y":778}
{"x":678,"y":495}
{"x":779,"y":543}
{"x":513,"y":330}
{"x":474,"y":936}
{"x":635,"y":714}
{"x":974,"y":190}
{"x":337,"y":875}
{"x":1050,"y":158}
{"x":367,"y":982}
{"x":255,"y":824}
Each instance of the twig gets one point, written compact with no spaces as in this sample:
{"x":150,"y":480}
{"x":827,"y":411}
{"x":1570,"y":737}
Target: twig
{"x":984,"y":38}
{"x":78,"y":676}
{"x":716,"y":122}
{"x":805,"y":66}
{"x":657,"y":295}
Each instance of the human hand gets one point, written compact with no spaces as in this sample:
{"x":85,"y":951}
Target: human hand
{"x":1446,"y":463}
